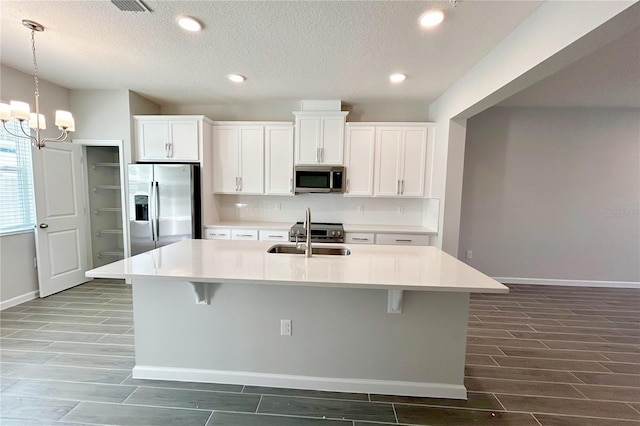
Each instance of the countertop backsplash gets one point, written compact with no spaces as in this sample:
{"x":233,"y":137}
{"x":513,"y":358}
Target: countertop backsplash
{"x":330,"y":208}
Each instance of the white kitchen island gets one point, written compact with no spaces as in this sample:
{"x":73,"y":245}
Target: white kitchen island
{"x":385,"y":319}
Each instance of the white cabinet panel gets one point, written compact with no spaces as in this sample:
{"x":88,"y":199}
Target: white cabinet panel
{"x":413,"y":162}
{"x":403,"y":239}
{"x":184,"y":145}
{"x":388,"y":150}
{"x":319,"y":137}
{"x":359,"y":238}
{"x":244,"y":234}
{"x":279,"y":160}
{"x":308,"y":140}
{"x":217,"y":234}
{"x":332,"y":138}
{"x":400,"y":161}
{"x":225,"y":159}
{"x":273,"y":235}
{"x":238,"y":159}
{"x":251,"y":167}
{"x":168,"y":138}
{"x":359,"y":160}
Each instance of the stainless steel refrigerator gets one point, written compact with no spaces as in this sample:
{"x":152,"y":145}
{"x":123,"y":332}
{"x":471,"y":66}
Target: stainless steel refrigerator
{"x":164,"y":204}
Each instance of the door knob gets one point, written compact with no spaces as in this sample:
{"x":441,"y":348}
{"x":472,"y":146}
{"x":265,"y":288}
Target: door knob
{"x":44,"y":225}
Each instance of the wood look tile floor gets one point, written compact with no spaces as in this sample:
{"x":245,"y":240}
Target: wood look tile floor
{"x":540,"y":355}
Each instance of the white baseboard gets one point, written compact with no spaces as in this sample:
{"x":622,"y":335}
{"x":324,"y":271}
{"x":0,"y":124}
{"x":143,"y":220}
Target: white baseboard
{"x":387,"y":387}
{"x":573,"y":283}
{"x":19,"y":299}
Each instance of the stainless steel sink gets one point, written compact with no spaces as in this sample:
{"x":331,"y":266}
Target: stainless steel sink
{"x":321,"y":250}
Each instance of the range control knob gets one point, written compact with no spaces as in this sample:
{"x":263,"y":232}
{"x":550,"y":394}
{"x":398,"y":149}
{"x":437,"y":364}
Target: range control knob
{"x":339,"y":233}
{"x":333,"y":233}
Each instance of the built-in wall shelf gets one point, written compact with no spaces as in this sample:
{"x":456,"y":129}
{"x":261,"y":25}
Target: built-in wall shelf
{"x":110,"y":253}
{"x":107,"y":210}
{"x":106,"y":165}
{"x":106,"y":188}
{"x":109,"y":232}
{"x":106,"y":200}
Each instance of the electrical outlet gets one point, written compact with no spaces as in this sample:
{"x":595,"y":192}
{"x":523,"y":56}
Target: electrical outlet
{"x":469,"y":254}
{"x":360,"y":208}
{"x":278,"y":206}
{"x":285,"y":327}
{"x":400,"y":209}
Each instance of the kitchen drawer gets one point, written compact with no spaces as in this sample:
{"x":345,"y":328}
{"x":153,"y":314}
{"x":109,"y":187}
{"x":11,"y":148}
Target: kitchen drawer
{"x":403,"y":239}
{"x":273,"y":235}
{"x":217,"y":234}
{"x":244,"y":234}
{"x":359,"y":238}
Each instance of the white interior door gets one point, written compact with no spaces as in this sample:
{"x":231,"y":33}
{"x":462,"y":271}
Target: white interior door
{"x":61,"y":244}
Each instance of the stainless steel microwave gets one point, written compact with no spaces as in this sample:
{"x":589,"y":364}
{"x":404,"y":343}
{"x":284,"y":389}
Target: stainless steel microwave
{"x":319,"y":179}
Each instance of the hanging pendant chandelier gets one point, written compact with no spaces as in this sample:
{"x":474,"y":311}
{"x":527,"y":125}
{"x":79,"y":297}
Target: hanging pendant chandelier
{"x":21,"y":111}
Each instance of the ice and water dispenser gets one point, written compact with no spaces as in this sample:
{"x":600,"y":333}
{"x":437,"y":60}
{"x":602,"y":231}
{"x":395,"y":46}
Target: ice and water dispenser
{"x":142,"y":207}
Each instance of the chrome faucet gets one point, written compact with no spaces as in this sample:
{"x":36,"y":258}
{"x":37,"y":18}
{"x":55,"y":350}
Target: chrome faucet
{"x":307,"y":227}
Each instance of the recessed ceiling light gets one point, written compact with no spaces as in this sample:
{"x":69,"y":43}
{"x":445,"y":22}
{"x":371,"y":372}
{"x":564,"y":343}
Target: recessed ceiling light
{"x":431,"y":18}
{"x":188,"y":23}
{"x":236,"y":78}
{"x":397,"y":77}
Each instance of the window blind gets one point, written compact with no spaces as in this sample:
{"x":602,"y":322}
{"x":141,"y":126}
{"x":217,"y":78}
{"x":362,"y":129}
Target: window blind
{"x":17,"y":211}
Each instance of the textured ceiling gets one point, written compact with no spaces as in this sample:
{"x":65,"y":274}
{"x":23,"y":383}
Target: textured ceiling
{"x":287,"y":50}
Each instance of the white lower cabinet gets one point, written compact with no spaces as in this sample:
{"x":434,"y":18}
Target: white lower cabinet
{"x":244,"y":234}
{"x":273,"y":235}
{"x":403,"y":239}
{"x":217,"y":234}
{"x":359,"y":238}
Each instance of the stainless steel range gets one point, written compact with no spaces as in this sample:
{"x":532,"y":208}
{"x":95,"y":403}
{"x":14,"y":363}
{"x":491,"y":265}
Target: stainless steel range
{"x":320,"y":232}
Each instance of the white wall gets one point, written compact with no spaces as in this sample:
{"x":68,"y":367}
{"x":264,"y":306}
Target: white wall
{"x":555,"y":35}
{"x":328,"y":208}
{"x":283,"y":111}
{"x":18,"y":277}
{"x":553,"y":193}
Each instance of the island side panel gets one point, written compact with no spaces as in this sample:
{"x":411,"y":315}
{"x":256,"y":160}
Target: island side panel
{"x":342,"y":339}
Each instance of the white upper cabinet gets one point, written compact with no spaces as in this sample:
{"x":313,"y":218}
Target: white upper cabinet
{"x":401,"y":153}
{"x":319,"y":137}
{"x":278,"y":160}
{"x":359,"y":159}
{"x":238,"y":159}
{"x":168,"y":138}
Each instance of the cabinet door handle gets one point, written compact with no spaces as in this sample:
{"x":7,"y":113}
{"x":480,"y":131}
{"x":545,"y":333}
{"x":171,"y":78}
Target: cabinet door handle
{"x":403,"y":241}
{"x":240,"y":178}
{"x":402,"y":186}
{"x":346,"y":189}
{"x":166,"y":149}
{"x":236,"y":183}
{"x":170,"y":150}
{"x":398,"y":187}
{"x":322,"y":155}
{"x":245,"y":235}
{"x":360,"y":239}
{"x":291,"y":184}
{"x":317,"y":155}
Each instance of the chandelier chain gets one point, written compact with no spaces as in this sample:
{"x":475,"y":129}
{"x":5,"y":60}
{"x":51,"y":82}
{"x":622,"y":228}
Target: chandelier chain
{"x":35,"y":63}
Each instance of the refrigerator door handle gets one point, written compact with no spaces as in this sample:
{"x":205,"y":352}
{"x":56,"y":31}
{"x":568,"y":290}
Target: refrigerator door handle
{"x":151,"y":212}
{"x":156,"y":216}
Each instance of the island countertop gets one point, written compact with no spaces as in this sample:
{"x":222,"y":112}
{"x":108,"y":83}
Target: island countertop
{"x":368,"y":266}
